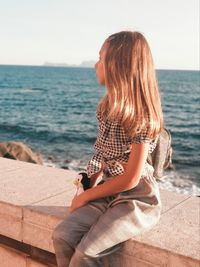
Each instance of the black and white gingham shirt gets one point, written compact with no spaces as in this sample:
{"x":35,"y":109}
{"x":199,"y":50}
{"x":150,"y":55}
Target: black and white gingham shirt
{"x":113,"y":147}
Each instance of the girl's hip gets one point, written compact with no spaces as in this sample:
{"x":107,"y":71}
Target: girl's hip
{"x":147,"y":191}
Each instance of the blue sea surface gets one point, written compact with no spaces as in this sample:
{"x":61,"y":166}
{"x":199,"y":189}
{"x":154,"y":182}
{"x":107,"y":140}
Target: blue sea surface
{"x":52,"y":110}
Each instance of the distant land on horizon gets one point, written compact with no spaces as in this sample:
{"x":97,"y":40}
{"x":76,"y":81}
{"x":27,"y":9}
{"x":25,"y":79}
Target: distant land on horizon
{"x":84,"y":64}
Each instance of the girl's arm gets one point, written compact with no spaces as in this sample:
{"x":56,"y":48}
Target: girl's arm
{"x":129,"y":179}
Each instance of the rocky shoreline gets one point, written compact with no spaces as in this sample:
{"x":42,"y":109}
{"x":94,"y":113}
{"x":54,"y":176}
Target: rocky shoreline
{"x":19,"y":151}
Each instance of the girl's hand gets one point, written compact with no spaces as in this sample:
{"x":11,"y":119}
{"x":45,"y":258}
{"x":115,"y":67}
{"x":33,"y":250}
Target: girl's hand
{"x":78,"y":201}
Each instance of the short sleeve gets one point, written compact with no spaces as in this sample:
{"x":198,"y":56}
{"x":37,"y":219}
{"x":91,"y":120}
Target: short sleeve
{"x":141,"y":137}
{"x":99,"y":116}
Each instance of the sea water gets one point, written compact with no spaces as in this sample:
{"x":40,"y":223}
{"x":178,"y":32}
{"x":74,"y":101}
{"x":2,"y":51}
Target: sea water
{"x":52,"y":110}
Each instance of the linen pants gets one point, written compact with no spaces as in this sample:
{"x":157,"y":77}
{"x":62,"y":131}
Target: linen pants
{"x":89,"y":233}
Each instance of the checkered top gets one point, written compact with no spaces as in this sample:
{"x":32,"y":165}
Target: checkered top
{"x":113,"y":147}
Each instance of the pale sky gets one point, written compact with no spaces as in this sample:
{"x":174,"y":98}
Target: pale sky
{"x":72,"y":31}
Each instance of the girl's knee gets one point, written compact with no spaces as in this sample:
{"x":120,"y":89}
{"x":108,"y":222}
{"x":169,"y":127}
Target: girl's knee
{"x":62,"y":229}
{"x":58,"y":232}
{"x":55,"y":235}
{"x":69,"y":232}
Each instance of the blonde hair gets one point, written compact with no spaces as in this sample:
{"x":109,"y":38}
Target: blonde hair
{"x":132,"y":95}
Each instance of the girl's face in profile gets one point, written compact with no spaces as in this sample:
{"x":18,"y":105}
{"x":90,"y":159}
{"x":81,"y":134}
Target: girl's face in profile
{"x":99,"y":66}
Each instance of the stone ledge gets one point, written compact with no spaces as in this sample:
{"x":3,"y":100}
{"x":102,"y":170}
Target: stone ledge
{"x":34,"y":199}
{"x":17,"y":249}
{"x":11,"y":257}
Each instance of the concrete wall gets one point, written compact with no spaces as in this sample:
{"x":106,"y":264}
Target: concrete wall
{"x":34,"y":199}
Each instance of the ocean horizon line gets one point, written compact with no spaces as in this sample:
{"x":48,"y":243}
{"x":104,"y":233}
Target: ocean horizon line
{"x":83,"y":67}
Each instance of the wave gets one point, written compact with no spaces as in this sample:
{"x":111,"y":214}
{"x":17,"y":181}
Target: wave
{"x":30,"y":90}
{"x":179,"y":183}
{"x":24,"y":132}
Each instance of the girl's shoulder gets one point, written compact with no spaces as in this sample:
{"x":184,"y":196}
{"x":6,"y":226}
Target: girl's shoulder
{"x":99,"y":116}
{"x":143,"y":137}
{"x":105,"y":121}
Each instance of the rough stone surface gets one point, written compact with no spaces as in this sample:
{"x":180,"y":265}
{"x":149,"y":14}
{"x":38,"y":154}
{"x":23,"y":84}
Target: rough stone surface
{"x":34,"y":263}
{"x":34,"y":199}
{"x":123,"y":260}
{"x":11,"y":220}
{"x":37,"y":236}
{"x":31,"y":183}
{"x":19,"y":151}
{"x":10,"y":257}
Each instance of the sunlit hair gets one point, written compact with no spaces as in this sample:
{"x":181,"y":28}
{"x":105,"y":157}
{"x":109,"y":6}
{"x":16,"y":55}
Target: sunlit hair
{"x":132,"y":95}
